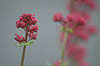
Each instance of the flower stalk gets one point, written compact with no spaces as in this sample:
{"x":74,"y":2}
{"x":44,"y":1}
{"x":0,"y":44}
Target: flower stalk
{"x":66,"y":36}
{"x":23,"y":56}
{"x":24,"y":49}
{"x":28,"y":23}
{"x":75,"y":28}
{"x":63,"y":48}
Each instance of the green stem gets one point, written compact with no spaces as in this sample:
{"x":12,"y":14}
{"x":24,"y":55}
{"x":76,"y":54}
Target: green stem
{"x":23,"y":55}
{"x":65,"y":36}
{"x":63,"y":48}
{"x":24,"y":49}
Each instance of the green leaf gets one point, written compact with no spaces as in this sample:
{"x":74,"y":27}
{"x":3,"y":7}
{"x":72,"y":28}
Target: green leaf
{"x":69,"y":30}
{"x":20,"y":44}
{"x":66,"y":30}
{"x":63,"y":29}
{"x":29,"y":43}
{"x":25,"y":44}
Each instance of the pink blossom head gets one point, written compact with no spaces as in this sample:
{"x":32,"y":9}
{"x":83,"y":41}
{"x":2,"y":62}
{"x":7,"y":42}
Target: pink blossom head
{"x":26,"y":19}
{"x":75,"y":20}
{"x":86,"y":15}
{"x":92,"y":29}
{"x":20,"y":24}
{"x":91,"y":4}
{"x":28,"y":23}
{"x":58,"y":17}
{"x":32,"y":36}
{"x":19,"y":38}
{"x":76,"y":52}
{"x":33,"y":28}
{"x":82,"y":34}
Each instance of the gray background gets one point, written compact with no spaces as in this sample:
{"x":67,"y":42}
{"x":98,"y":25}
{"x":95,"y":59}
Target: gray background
{"x":46,"y":47}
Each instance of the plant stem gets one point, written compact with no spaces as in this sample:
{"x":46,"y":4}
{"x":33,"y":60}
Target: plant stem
{"x":23,"y":55}
{"x":24,"y":49}
{"x":71,"y":6}
{"x":63,"y":48}
{"x":66,"y":34}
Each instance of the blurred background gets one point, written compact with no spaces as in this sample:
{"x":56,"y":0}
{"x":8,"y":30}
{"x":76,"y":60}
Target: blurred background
{"x":47,"y":45}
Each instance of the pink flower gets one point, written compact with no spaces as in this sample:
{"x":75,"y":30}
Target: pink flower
{"x":83,"y":64}
{"x":82,"y":34}
{"x":58,"y":17}
{"x":91,"y":4}
{"x":28,"y":23}
{"x":80,"y":21}
{"x":19,"y":38}
{"x":33,"y":28}
{"x":75,"y":20}
{"x":85,"y":15}
{"x":27,"y":19}
{"x":69,"y":17}
{"x":76,"y":52}
{"x":57,"y":63}
{"x":20,"y":24}
{"x":34,"y":21}
{"x":92,"y":29}
{"x":32,"y":36}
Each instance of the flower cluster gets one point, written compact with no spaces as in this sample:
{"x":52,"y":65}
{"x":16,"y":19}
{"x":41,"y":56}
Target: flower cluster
{"x":76,"y":52}
{"x":19,"y":38}
{"x":78,"y":21}
{"x":28,"y":23}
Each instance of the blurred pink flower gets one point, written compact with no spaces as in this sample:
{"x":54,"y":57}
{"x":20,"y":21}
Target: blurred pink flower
{"x":76,"y":52}
{"x":85,"y":15}
{"x":92,"y":29}
{"x":82,"y":34}
{"x":58,"y":17}
{"x":57,"y":63}
{"x":78,"y":21}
